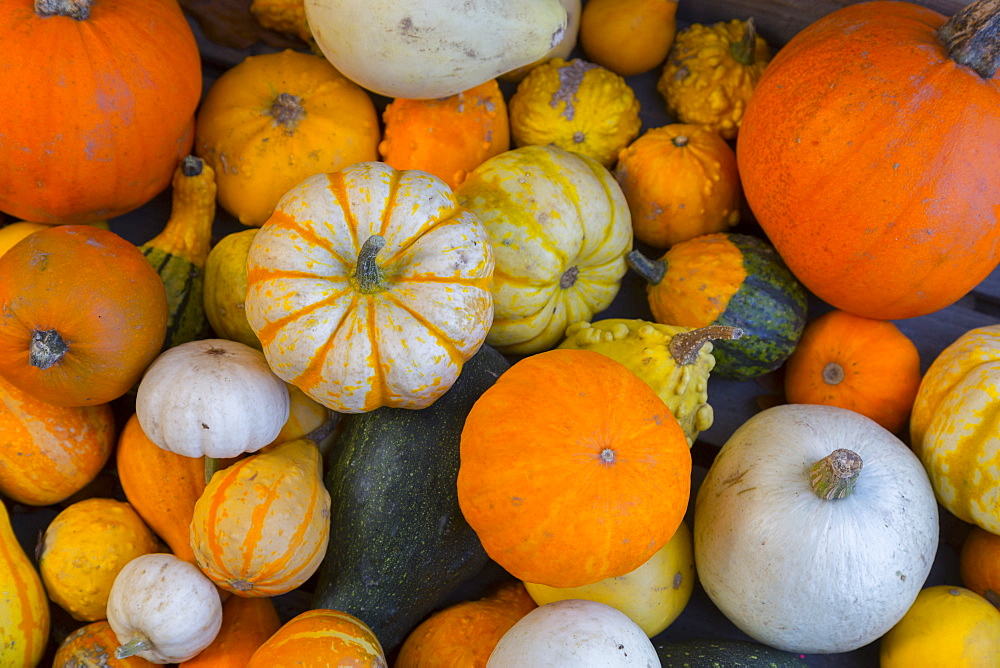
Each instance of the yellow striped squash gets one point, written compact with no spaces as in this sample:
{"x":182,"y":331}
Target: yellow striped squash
{"x":24,"y":608}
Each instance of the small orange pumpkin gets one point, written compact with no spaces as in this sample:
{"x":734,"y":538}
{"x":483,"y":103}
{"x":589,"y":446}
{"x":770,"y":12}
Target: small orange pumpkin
{"x":246,"y":624}
{"x":320,"y":638}
{"x":93,"y":646}
{"x":868,"y":366}
{"x":48,"y":452}
{"x":160,"y":485}
{"x":979,"y":563}
{"x":449,"y":136}
{"x":84,"y":313}
{"x":572,"y":469}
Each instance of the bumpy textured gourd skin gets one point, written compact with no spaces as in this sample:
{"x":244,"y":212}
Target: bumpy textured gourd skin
{"x":723,"y":652}
{"x":398,"y":541}
{"x":642,"y":347}
{"x":704,"y":80}
{"x":287,"y":16}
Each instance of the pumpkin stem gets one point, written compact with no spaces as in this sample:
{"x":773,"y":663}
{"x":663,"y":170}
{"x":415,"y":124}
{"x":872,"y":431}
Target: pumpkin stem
{"x":972,"y":37}
{"x":212,"y":465}
{"x":568,"y":279}
{"x":685,"y":346}
{"x":368,"y":274}
{"x":78,"y":10}
{"x":680,"y":141}
{"x":325,"y":429}
{"x":192,"y":165}
{"x":46,"y":349}
{"x":745,"y":50}
{"x":138,"y":643}
{"x":834,"y":476}
{"x":287,"y":110}
{"x":833,"y":374}
{"x":652,"y":271}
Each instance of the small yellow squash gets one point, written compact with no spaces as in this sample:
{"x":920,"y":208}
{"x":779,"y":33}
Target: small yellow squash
{"x":24,"y":609}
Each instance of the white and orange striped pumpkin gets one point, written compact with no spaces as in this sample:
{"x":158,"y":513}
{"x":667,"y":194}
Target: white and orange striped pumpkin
{"x":370,"y":287}
{"x":321,"y":637}
{"x":262,"y":525}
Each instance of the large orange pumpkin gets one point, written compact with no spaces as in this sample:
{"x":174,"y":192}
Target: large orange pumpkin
{"x":572,"y":469}
{"x":868,"y":154}
{"x":82,"y":314}
{"x":100,"y":101}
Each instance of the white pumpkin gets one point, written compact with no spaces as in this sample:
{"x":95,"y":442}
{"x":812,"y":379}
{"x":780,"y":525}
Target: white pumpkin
{"x":163,"y":609}
{"x":211,"y":397}
{"x":574,"y":633}
{"x":420,"y":49}
{"x":803,"y":573}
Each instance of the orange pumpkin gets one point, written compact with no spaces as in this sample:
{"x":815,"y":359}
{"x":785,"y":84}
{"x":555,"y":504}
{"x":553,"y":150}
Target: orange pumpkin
{"x":979,"y":563}
{"x":572,"y":469}
{"x":320,"y":638}
{"x":100,"y":108}
{"x":865,"y":365}
{"x":161,"y":486}
{"x":48,"y":452}
{"x":246,"y":624}
{"x":92,"y":646}
{"x":877,"y":200}
{"x":448,"y":137}
{"x":464,"y":634}
{"x":84,"y":315}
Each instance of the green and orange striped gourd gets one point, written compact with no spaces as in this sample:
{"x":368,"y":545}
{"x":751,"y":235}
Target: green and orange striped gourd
{"x":262,"y":525}
{"x":24,"y":608}
{"x":179,"y":252}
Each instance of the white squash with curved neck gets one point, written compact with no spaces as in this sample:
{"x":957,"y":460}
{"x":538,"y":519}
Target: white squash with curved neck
{"x":433,"y":48}
{"x":801,"y":573}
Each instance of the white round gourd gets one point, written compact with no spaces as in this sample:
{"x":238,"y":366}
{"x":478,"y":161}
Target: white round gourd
{"x":803,"y":573}
{"x":211,"y":397}
{"x":574,"y":633}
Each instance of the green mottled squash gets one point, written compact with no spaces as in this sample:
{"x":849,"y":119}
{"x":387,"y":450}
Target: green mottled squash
{"x":729,"y":279}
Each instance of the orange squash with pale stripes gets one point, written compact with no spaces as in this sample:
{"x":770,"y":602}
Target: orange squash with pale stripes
{"x":321,"y":638}
{"x":370,"y":287}
{"x":262,"y":525}
{"x":24,"y":608}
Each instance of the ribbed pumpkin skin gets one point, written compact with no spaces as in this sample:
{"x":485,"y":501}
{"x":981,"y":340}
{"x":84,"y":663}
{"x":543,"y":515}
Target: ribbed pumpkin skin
{"x":93,"y":646}
{"x":160,"y":485}
{"x":874,"y":196}
{"x":560,"y":227}
{"x":261,"y":526}
{"x":320,"y":638}
{"x":953,"y":427}
{"x":246,"y":624}
{"x":99,"y":294}
{"x":24,"y":607}
{"x":353,"y":348}
{"x":47,"y":452}
{"x":97,"y":131}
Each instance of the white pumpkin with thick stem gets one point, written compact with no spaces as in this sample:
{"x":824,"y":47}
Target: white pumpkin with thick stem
{"x":370,"y":287}
{"x":212,"y":397}
{"x":163,"y":609}
{"x":814,"y":529}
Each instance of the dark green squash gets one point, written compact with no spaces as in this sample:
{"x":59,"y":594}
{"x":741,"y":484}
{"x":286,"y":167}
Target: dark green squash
{"x":399,"y":544}
{"x":723,"y":653}
{"x":729,"y":279}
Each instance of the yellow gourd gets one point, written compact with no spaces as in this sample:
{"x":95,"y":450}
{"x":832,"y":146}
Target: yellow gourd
{"x":287,"y":16}
{"x":675,"y":361}
{"x":710,"y":73}
{"x":85,"y":547}
{"x":226,"y":288}
{"x":24,"y":609}
{"x":576,"y":105}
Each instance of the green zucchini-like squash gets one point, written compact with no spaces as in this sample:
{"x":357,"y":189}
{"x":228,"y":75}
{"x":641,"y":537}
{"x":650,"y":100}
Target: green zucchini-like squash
{"x":737,"y":280}
{"x":723,"y":653}
{"x":399,"y":544}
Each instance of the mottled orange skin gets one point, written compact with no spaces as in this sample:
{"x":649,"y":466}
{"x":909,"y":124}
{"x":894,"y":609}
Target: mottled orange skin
{"x":246,"y":624}
{"x":93,"y":646}
{"x":321,"y":639}
{"x":879,"y":368}
{"x":102,"y":297}
{"x":98,"y":111}
{"x":864,"y":155}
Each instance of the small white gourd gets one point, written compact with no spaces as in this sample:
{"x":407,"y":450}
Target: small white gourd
{"x":212,"y":397}
{"x":814,"y":529}
{"x":163,"y":609}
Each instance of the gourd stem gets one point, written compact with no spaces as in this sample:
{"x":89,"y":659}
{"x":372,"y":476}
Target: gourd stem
{"x":745,"y":50}
{"x":685,"y":346}
{"x":368,"y":274}
{"x":680,"y":141}
{"x":833,"y":374}
{"x":46,"y":349}
{"x":212,"y":465}
{"x":192,"y":165}
{"x":972,"y":37}
{"x":652,"y":271}
{"x":325,"y":429}
{"x":287,"y":110}
{"x":835,"y":476}
{"x":78,"y":10}
{"x":138,"y":643}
